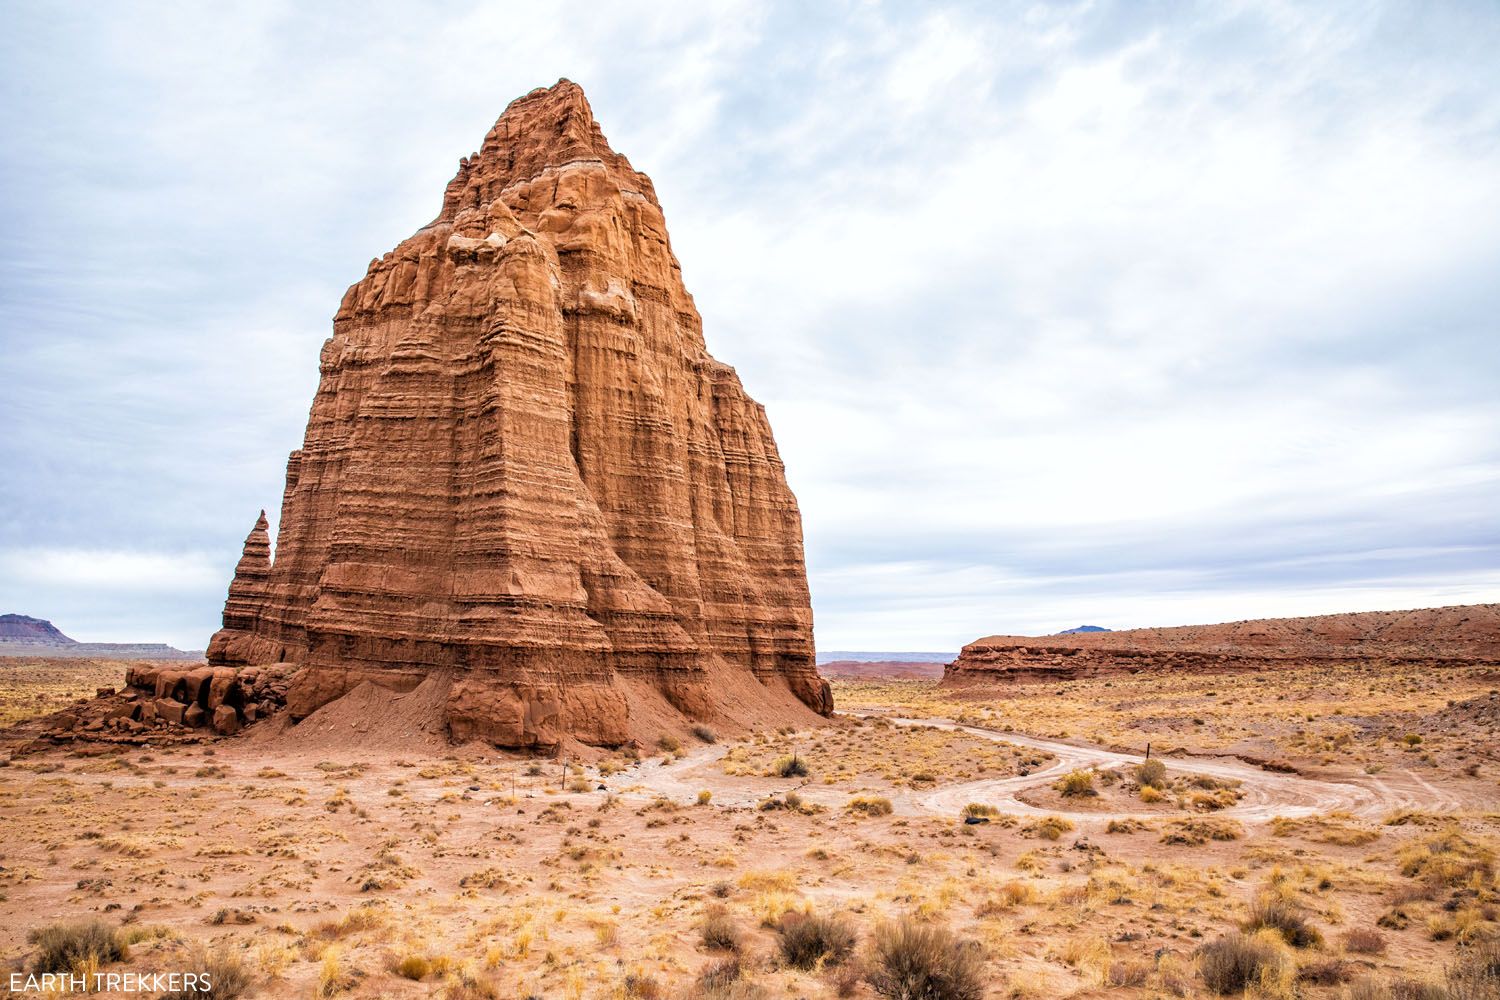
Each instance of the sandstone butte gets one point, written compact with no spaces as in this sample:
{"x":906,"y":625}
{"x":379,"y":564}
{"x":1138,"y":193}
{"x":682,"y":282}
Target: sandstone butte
{"x":525,"y":479}
{"x":1449,"y":636}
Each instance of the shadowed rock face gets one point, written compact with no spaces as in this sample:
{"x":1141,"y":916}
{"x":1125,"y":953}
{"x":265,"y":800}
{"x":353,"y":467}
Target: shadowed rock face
{"x":523,"y":469}
{"x":1448,"y":636}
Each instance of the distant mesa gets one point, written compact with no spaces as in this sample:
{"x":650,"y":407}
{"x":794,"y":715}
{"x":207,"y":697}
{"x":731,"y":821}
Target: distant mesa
{"x":24,"y":628}
{"x":865,"y":656}
{"x":1082,"y":628}
{"x":882,"y":669}
{"x":22,"y":635}
{"x":850,"y":664}
{"x":526,"y":481}
{"x":1448,"y":636}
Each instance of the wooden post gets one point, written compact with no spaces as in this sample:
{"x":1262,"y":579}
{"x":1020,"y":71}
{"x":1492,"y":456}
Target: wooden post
{"x":1148,"y":751}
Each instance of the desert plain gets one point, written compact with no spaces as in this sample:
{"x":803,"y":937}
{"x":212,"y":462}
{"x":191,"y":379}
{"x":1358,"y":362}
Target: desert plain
{"x":1342,"y":820}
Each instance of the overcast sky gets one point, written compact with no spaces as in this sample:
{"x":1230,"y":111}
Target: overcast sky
{"x":1110,"y":313}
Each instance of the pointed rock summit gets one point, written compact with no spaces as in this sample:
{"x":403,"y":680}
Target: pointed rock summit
{"x":247,"y":591}
{"x":525,"y":478}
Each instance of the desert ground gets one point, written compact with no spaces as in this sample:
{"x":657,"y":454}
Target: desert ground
{"x":1340,"y":825}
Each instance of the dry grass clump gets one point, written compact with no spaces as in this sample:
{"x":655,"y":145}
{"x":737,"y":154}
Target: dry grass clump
{"x":414,"y":967}
{"x":1077,"y":784}
{"x":1124,"y":826}
{"x":911,"y":960}
{"x":1446,"y":859}
{"x":808,"y":939}
{"x":72,"y":947}
{"x":227,"y":974}
{"x":1325,"y":830}
{"x":1048,"y":828}
{"x":719,"y":931}
{"x":640,"y":986}
{"x":1009,"y":896}
{"x":1197,"y":832}
{"x":724,"y":980}
{"x":469,"y":986}
{"x":668,"y":743}
{"x":705,"y":734}
{"x":978,"y":810}
{"x":1363,"y":941}
{"x":789,"y":766}
{"x":1273,"y":910}
{"x":1236,"y":961}
{"x":869,"y":805}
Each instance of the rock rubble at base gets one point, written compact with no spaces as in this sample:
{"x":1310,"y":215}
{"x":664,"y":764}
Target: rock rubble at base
{"x":170,"y":701}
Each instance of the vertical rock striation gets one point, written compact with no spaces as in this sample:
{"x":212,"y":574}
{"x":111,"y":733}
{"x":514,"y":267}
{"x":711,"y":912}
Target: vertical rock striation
{"x":524,"y":473}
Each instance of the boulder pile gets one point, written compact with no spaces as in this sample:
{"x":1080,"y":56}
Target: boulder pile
{"x":168,"y":699}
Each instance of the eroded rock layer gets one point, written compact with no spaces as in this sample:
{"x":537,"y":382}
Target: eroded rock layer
{"x":1457,"y":635}
{"x":523,"y":467}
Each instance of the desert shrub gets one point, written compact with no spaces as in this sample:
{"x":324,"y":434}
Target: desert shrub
{"x":705,"y":734}
{"x":1076,"y":784}
{"x":979,"y":810}
{"x":1151,"y":794}
{"x":1476,"y":974}
{"x":724,"y":980}
{"x":719,"y":931}
{"x":789,"y":766}
{"x":846,"y":978}
{"x":1235,"y":961}
{"x":869,"y":805}
{"x":639,"y":986}
{"x":705,"y":797}
{"x":1416,"y":989}
{"x":413,"y":967}
{"x":228,"y":976}
{"x":62,"y":947}
{"x":668,"y":743}
{"x":1151,"y":773}
{"x":1128,"y":973}
{"x":807,"y":938}
{"x":917,"y":960}
{"x":1363,"y":941}
{"x":1275,"y":912}
{"x":1324,"y":972}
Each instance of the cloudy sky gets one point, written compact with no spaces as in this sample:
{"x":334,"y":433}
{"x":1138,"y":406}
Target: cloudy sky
{"x":1120,"y":313}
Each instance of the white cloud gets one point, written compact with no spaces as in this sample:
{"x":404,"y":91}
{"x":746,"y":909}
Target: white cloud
{"x":95,"y":569}
{"x":1206,"y":292}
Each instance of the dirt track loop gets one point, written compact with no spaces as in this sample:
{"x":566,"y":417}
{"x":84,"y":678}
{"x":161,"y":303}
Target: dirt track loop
{"x":1264,"y":795}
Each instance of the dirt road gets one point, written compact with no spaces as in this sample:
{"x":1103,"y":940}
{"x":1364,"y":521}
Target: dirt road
{"x":1264,"y":795}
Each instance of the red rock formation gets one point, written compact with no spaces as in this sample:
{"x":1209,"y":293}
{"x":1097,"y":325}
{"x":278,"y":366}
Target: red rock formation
{"x":1455,"y":635}
{"x":247,"y":591}
{"x":523,"y":468}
